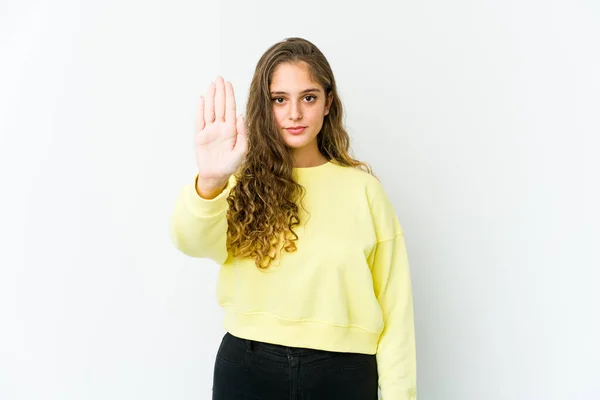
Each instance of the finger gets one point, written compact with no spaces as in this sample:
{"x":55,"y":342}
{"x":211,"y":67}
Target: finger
{"x":220,"y":100}
{"x":200,"y":115}
{"x":230,"y":103}
{"x":209,"y":104}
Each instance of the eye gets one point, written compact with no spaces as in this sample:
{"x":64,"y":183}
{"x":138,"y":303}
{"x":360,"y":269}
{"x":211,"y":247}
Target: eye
{"x":277,"y":98}
{"x":314,"y":98}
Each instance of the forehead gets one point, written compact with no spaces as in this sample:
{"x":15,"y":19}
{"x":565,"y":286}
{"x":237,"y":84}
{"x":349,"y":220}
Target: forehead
{"x":292,"y":77}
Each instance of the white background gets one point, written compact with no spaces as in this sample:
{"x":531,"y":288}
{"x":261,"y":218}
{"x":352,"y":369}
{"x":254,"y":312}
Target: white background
{"x":480,"y":117}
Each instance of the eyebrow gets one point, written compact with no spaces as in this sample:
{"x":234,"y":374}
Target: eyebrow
{"x":302,"y":92}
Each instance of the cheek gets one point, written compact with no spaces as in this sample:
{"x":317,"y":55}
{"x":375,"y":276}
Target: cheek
{"x":316,"y":116}
{"x":278,"y":113}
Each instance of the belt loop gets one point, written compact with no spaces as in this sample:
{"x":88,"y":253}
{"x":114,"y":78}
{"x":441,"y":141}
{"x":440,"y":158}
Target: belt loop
{"x":249,"y":346}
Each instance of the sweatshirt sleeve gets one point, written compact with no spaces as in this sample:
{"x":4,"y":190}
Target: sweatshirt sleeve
{"x":396,"y":351}
{"x":198,"y":226}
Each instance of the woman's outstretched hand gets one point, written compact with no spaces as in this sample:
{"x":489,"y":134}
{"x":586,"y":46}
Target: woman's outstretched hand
{"x":220,"y":141}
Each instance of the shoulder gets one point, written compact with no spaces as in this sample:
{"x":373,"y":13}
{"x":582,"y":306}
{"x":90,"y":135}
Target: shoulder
{"x":366,"y":182}
{"x":381,"y":208}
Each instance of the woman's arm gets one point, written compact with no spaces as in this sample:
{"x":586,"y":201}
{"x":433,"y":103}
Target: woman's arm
{"x":396,"y":351}
{"x":198,"y":226}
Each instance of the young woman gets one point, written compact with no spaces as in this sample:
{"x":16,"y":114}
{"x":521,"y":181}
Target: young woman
{"x":314,"y":276}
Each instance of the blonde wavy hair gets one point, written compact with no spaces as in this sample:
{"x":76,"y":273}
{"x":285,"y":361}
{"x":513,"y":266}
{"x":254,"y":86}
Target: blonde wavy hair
{"x":263,"y":204}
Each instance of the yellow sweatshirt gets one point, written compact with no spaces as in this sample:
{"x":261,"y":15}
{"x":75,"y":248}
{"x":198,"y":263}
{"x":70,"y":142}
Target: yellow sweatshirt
{"x":346,"y":288}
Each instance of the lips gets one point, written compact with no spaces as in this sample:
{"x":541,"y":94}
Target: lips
{"x":296,"y":130}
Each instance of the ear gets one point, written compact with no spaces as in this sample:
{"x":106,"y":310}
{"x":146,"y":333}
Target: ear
{"x":329,"y":101}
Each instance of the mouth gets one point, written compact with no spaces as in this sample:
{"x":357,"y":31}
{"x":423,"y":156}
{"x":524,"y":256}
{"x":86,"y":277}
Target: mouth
{"x":296,"y":130}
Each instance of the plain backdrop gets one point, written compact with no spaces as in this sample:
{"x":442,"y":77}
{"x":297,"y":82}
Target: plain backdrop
{"x":480,"y":117}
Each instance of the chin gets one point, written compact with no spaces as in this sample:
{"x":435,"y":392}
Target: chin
{"x":296,"y":141}
{"x":296,"y":144}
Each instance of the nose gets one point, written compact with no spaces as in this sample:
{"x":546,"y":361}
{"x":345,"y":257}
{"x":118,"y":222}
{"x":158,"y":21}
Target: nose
{"x":295,"y":111}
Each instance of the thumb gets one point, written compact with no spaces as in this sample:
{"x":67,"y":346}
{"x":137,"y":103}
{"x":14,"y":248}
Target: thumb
{"x":242,"y":140}
{"x":241,"y":125}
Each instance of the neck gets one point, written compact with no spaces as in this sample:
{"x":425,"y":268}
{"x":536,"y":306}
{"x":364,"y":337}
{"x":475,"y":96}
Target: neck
{"x":308,"y":157}
{"x":306,"y":162}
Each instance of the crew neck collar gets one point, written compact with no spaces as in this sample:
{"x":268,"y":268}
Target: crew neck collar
{"x":316,"y":167}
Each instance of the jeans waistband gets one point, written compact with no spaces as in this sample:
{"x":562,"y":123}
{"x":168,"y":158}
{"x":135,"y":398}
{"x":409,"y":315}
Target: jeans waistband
{"x":278,"y":349}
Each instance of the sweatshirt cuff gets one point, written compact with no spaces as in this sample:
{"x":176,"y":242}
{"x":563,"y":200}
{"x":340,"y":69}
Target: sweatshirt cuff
{"x":205,"y":208}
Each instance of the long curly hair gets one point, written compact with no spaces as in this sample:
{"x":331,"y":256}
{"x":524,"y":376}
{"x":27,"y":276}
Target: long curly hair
{"x":263,"y":204}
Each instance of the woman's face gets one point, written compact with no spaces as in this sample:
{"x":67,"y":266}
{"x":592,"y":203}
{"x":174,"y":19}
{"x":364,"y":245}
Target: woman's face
{"x":298,"y":101}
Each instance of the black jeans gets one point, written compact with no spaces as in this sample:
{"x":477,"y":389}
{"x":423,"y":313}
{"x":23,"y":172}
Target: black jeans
{"x":251,"y":370}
